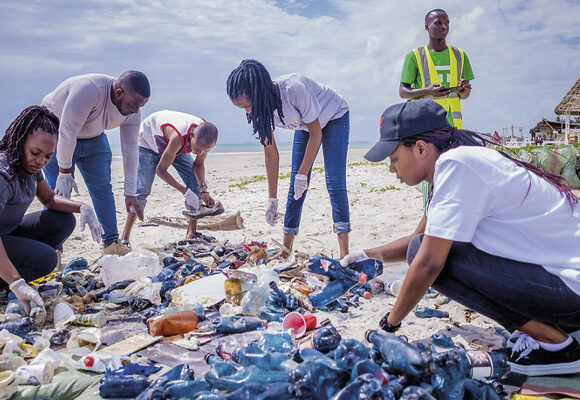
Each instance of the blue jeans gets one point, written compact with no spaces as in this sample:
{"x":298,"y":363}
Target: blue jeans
{"x":148,"y":160}
{"x":93,"y":158}
{"x":507,"y":291}
{"x":334,"y":148}
{"x":30,"y":247}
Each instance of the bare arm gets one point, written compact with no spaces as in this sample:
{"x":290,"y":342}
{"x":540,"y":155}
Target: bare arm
{"x":312,"y":146}
{"x":167,"y":159}
{"x":54,"y":202}
{"x":199,"y":172}
{"x":423,"y":271}
{"x":466,"y":89}
{"x":272,"y":160}
{"x":407,"y":92}
{"x":396,"y":250}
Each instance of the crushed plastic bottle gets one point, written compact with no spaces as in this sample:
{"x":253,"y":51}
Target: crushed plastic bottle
{"x":426,"y":312}
{"x":259,"y":294}
{"x":332,"y":268}
{"x":175,"y":323}
{"x":237,"y":324}
{"x":324,"y":340}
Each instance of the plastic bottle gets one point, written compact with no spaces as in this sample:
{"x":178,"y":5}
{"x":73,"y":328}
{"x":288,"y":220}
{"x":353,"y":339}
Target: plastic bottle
{"x":349,"y":352}
{"x":317,"y":377}
{"x":122,"y":386}
{"x":277,"y":297}
{"x":331,"y":292}
{"x":225,"y":375}
{"x":426,"y":312}
{"x":281,"y":341}
{"x":332,"y":268}
{"x":477,"y":364}
{"x":366,"y":366}
{"x":303,"y":300}
{"x":365,"y":386}
{"x":117,"y":297}
{"x":441,"y":340}
{"x":18,"y":327}
{"x":253,"y":355}
{"x":98,"y":320}
{"x":375,"y":286}
{"x":400,"y":357}
{"x":324,"y":340}
{"x":172,"y":324}
{"x":228,"y":350}
{"x":259,"y":294}
{"x":237,"y":324}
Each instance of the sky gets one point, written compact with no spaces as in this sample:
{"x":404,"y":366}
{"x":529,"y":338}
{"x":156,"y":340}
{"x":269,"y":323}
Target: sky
{"x":524,"y":53}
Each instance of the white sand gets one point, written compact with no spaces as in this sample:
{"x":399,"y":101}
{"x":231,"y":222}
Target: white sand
{"x":382,"y":209}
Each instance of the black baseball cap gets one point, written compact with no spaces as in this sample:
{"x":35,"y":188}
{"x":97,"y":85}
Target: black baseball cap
{"x":403,"y":120}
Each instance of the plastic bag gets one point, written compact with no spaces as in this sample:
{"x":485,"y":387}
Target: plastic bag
{"x":134,"y":265}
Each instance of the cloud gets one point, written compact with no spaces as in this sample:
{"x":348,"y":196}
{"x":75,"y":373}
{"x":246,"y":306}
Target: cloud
{"x":524,"y":53}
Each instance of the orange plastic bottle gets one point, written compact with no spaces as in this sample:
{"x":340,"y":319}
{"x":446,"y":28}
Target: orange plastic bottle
{"x":175,"y":323}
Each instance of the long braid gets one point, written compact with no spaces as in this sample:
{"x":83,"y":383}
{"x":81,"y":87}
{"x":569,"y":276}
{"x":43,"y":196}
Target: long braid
{"x":12,"y":143}
{"x":447,"y":138}
{"x":252,"y":79}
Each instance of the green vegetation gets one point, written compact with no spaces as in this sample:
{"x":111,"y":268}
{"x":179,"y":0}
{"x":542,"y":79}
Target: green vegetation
{"x":384,"y":189}
{"x":356,"y":164}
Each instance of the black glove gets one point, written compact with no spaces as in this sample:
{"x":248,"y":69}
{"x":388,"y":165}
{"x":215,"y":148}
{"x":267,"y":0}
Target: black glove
{"x":386,"y":326}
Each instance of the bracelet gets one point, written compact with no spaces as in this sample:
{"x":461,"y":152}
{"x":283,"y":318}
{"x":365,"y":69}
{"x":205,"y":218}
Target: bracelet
{"x":386,"y":326}
{"x":203,"y":185}
{"x":205,"y":191}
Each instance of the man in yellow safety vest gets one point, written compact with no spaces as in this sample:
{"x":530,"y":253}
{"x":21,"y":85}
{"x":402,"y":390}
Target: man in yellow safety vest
{"x":430,"y":70}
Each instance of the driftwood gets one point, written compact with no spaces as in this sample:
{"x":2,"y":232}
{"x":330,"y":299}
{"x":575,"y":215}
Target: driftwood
{"x":231,"y":223}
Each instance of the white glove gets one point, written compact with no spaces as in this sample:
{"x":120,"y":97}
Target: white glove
{"x":26,"y":294}
{"x":272,"y":211}
{"x":353,"y":257}
{"x":65,"y":183}
{"x":88,"y":217}
{"x":300,"y":185}
{"x":192,"y":202}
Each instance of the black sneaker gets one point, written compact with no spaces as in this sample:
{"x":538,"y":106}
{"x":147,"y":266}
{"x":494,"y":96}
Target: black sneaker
{"x":529,"y":358}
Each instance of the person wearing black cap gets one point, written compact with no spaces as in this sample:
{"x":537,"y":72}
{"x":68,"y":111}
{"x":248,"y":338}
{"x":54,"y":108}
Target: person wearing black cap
{"x":473,"y":243}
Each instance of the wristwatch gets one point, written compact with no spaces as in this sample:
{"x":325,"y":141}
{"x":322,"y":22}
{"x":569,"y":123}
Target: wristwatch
{"x":386,"y":326}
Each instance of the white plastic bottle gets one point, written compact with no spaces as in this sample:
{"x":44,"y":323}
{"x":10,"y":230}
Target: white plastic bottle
{"x":258,"y":295}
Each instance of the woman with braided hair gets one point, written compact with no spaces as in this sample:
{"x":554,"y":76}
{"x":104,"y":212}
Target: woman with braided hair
{"x":319,"y":116}
{"x":28,"y":242}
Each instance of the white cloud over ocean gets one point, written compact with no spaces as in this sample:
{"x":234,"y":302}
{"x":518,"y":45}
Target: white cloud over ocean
{"x":524,"y":53}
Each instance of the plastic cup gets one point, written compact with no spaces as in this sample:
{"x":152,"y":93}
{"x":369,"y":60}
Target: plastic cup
{"x":296,"y":322}
{"x":8,"y":385}
{"x":38,"y":374}
{"x":62,"y":312}
{"x":310,"y":321}
{"x":394,"y":287}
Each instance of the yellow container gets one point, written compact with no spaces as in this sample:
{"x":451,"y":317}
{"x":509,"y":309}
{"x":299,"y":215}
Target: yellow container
{"x":233,"y":288}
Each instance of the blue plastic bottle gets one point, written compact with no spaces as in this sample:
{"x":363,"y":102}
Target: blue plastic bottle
{"x":317,"y":377}
{"x":331,"y":292}
{"x":332,"y":268}
{"x":365,"y":386}
{"x":18,"y":327}
{"x":281,"y":343}
{"x":253,"y":355}
{"x":426,"y":312}
{"x":324,"y":339}
{"x":400,"y":357}
{"x":237,"y":324}
{"x":369,"y":367}
{"x":123,"y":386}
{"x":349,"y":352}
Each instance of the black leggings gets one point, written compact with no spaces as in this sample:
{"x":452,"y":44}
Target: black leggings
{"x":31,"y":246}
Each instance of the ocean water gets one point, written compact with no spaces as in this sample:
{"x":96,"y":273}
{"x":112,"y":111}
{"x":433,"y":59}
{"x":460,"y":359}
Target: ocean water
{"x":247,"y":148}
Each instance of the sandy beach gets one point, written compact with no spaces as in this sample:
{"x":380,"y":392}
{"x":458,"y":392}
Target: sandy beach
{"x":382,"y":209}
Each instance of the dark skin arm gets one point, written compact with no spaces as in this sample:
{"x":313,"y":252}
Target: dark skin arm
{"x":167,"y":159}
{"x":199,"y":172}
{"x":407,"y":92}
{"x":272,"y":160}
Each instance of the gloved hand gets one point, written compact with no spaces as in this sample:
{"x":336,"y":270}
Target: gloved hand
{"x":26,"y":294}
{"x":88,"y":217}
{"x":192,"y":202}
{"x":272,"y":211}
{"x":65,"y":183}
{"x":353,"y":257}
{"x":300,"y":185}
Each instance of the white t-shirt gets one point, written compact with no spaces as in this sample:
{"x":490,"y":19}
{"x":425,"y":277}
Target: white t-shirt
{"x":151,"y":135}
{"x":482,"y":197}
{"x":85,"y":109}
{"x":304,"y":100}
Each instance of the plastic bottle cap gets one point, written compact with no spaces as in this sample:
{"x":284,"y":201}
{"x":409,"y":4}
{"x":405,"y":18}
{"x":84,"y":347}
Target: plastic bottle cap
{"x":325,"y":322}
{"x":367,"y":295}
{"x":89,"y":361}
{"x":368,"y":333}
{"x":362,"y":279}
{"x":276,"y":270}
{"x":207,"y":357}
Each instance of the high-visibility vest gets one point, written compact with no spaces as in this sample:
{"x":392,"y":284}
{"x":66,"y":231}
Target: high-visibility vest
{"x":429,"y":76}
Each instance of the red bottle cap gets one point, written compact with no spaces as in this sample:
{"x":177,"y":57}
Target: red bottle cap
{"x":362,"y":279}
{"x":89,"y":361}
{"x":367,"y":295}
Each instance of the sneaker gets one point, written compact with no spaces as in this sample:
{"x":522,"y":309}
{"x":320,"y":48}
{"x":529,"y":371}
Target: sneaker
{"x":514,"y":337}
{"x":116,"y":248}
{"x":529,"y":358}
{"x":205,"y":211}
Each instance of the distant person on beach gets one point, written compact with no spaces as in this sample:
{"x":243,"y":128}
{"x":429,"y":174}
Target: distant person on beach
{"x":170,"y":138}
{"x":429,"y":70}
{"x":473,"y":243}
{"x":318,"y":115}
{"x":87,"y":105}
{"x":28,"y":242}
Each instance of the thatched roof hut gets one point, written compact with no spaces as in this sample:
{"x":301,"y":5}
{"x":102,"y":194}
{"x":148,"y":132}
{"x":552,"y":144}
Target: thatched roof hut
{"x":570,"y":105}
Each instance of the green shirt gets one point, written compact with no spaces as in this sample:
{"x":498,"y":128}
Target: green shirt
{"x":411,"y":74}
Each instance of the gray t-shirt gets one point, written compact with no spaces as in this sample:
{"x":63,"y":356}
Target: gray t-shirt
{"x":304,"y":100}
{"x":15,"y":196}
{"x":85,"y":109}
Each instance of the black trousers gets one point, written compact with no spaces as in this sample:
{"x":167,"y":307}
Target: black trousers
{"x":31,"y":246}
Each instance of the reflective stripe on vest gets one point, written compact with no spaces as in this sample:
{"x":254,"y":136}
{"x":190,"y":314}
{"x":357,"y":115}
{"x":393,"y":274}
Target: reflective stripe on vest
{"x":429,"y":76}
